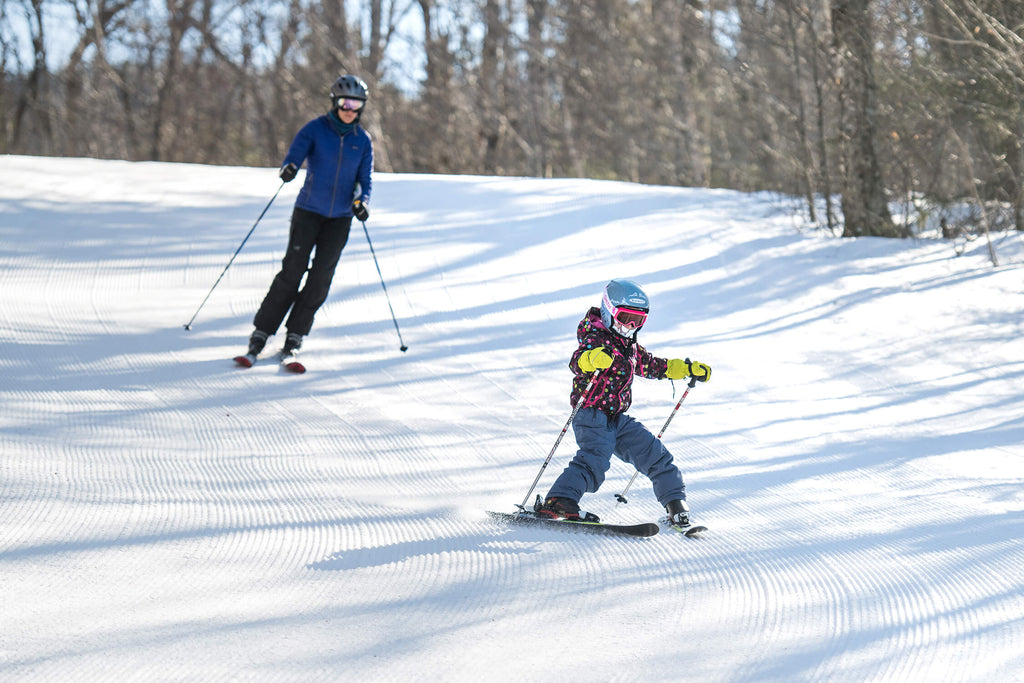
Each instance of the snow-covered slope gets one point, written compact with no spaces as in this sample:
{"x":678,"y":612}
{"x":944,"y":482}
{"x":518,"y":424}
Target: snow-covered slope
{"x":167,"y":516}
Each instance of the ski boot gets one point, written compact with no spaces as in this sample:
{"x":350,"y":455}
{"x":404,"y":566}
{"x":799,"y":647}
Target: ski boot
{"x":558,"y":508}
{"x":289,"y":356}
{"x":292,"y":343}
{"x":679,"y":519}
{"x":257,"y":341}
{"x":563,"y":508}
{"x":678,"y":513}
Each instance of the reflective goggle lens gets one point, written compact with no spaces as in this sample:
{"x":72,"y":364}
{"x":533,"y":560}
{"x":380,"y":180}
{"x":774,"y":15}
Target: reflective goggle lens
{"x":630,"y":318}
{"x":349,"y":104}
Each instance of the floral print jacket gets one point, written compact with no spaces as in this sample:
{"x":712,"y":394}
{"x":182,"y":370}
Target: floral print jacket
{"x":612,"y":393}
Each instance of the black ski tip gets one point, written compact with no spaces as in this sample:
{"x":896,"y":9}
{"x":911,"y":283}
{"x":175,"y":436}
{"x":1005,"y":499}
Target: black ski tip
{"x":645,"y":530}
{"x":634,"y":530}
{"x":403,"y":348}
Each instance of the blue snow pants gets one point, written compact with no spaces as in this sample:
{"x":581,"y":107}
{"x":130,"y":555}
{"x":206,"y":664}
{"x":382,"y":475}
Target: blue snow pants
{"x":599,"y":437}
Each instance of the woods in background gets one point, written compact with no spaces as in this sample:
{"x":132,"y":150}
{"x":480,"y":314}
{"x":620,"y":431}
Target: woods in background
{"x":869,"y":101}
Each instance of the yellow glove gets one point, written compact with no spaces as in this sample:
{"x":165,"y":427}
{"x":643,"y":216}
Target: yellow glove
{"x":699,"y":371}
{"x":678,"y":369}
{"x":594,"y":359}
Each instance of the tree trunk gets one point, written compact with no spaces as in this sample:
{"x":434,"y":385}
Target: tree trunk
{"x":864,"y":203}
{"x":489,"y":86}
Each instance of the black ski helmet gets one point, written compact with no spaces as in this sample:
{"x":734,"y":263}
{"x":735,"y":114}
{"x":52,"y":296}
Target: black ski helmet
{"x":348,"y":86}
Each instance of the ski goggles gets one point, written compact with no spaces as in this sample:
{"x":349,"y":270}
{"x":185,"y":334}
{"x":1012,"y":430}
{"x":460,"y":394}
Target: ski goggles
{"x":627,"y":317}
{"x":349,"y":104}
{"x":630,"y":318}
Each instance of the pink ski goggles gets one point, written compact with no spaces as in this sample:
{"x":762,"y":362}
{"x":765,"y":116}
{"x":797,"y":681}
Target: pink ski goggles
{"x":629,"y":318}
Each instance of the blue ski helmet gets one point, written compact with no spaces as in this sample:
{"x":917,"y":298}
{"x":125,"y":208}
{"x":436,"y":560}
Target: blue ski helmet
{"x":624,"y":294}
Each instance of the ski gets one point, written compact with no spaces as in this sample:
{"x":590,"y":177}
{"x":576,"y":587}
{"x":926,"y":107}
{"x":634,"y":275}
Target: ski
{"x":690,"y":530}
{"x":287,"y":362}
{"x":246,"y":360}
{"x":526,"y":518}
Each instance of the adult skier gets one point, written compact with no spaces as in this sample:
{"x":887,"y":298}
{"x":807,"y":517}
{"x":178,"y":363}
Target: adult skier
{"x":608,"y":344}
{"x":338,"y":155}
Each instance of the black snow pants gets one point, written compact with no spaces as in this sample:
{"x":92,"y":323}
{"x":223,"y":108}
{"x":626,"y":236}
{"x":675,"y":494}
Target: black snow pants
{"x":308,"y":230}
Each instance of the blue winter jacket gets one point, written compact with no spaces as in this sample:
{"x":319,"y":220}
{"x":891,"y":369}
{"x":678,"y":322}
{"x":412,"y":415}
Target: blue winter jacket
{"x":335,"y":167}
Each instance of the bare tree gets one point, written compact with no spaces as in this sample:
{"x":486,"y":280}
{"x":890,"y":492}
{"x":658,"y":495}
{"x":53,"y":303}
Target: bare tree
{"x":33,"y":107}
{"x":676,"y":93}
{"x":987,"y":37}
{"x":10,"y":63}
{"x":491,"y":90}
{"x":865,"y":207}
{"x":91,"y":123}
{"x":897,"y":99}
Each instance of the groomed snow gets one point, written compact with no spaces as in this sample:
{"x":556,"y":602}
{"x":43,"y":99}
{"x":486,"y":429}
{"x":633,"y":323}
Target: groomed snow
{"x":166,"y":516}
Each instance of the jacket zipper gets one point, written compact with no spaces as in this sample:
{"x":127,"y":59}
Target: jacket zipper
{"x":629,"y":356}
{"x":337,"y":173}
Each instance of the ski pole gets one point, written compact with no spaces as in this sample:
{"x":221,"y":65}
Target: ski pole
{"x":621,"y":497}
{"x":188,"y":325}
{"x":403,"y":348}
{"x":575,"y":409}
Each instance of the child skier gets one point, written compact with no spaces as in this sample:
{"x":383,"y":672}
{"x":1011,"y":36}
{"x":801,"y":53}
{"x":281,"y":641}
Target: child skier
{"x":608,"y":345}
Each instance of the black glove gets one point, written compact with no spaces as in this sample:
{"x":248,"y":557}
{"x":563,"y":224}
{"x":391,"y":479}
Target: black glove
{"x":288,"y":172}
{"x":360,"y":211}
